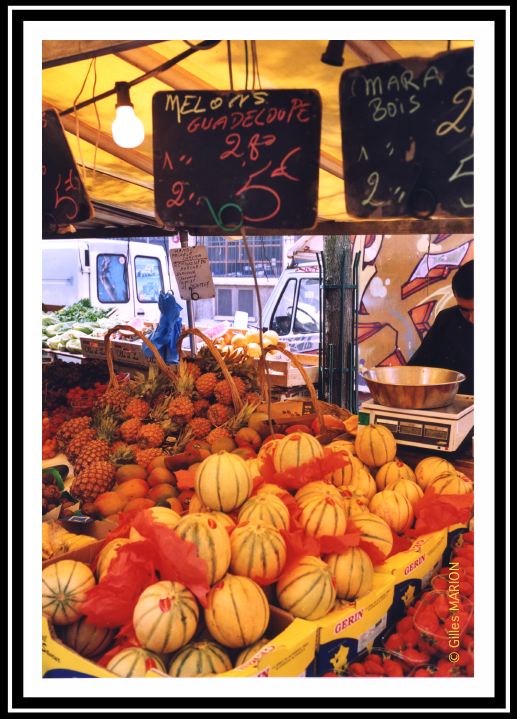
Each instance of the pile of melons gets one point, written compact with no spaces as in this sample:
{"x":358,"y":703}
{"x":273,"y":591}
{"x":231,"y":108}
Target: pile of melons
{"x":239,"y":533}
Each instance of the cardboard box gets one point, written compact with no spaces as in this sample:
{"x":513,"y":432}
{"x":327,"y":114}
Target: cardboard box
{"x":288,"y":654}
{"x":413,"y":570}
{"x":93,"y":347}
{"x":283,"y":373}
{"x":352,"y":627}
{"x":454,"y":533}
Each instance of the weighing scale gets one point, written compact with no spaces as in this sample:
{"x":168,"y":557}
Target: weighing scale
{"x":443,"y":428}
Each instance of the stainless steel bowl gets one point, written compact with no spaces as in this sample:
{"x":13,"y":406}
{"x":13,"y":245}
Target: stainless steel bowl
{"x":413,"y":387}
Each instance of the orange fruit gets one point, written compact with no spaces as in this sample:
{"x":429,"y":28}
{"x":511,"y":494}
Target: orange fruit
{"x":110,"y":503}
{"x":175,"y":504}
{"x":130,"y":471}
{"x":160,"y":475}
{"x":133,"y":488}
{"x":139,"y":503}
{"x":162,"y":491}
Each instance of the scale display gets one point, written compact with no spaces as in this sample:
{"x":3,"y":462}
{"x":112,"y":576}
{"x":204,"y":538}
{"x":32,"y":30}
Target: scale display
{"x":442,"y":429}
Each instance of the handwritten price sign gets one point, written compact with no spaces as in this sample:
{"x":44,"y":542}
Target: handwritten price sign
{"x":407,"y":131}
{"x":65,"y":200}
{"x":234,"y":159}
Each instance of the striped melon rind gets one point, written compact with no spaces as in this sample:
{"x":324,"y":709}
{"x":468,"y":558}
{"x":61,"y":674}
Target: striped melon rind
{"x":429,"y":468}
{"x":394,"y":508}
{"x":134,"y":662}
{"x":107,"y":554}
{"x":374,"y":529}
{"x":267,"y":508}
{"x":258,"y":551}
{"x":409,"y":489}
{"x":317,"y":489}
{"x":87,"y":639}
{"x":250,"y":652}
{"x":323,"y":516}
{"x":344,"y":475}
{"x":211,"y":539}
{"x":451,"y":483}
{"x":65,"y":585}
{"x":362,"y":483}
{"x":295,"y":450}
{"x":391,"y":472}
{"x":375,"y":445}
{"x":223,"y":481}
{"x":165,"y":617}
{"x":199,"y":658}
{"x":308,"y":589}
{"x":164,"y":515}
{"x":353,"y":571}
{"x":237,"y":613}
{"x":353,"y":503}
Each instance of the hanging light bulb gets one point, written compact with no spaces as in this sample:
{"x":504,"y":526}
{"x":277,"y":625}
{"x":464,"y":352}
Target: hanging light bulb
{"x":127,"y":129}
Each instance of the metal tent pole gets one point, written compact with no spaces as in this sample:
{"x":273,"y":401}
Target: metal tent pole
{"x":190,"y":318}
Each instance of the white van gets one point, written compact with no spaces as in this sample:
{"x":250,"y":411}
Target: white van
{"x":125,"y":274}
{"x":293,"y":308}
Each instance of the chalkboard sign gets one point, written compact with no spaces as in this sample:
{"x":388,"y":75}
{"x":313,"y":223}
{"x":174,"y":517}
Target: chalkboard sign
{"x":65,"y":200}
{"x":407,"y":136}
{"x":233,"y":159}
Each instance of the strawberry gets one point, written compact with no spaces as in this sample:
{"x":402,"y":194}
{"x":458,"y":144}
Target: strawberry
{"x":427,"y":621}
{"x":423,"y":673}
{"x":373,"y":668}
{"x":440,"y":583}
{"x":357,"y":669}
{"x":413,"y":656}
{"x":403,"y":625}
{"x":393,"y":668}
{"x":394,"y":643}
{"x":375,"y":658}
{"x":425,"y":646}
{"x":441,"y":606}
{"x":465,"y":658}
{"x":445,"y":668}
{"x":410,"y":637}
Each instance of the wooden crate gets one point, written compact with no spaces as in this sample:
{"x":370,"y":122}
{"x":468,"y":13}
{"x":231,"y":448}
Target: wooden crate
{"x":282,"y":373}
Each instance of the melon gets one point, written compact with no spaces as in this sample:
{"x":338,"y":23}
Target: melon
{"x":268,"y":449}
{"x":198,"y":658}
{"x":269,"y":488}
{"x":391,"y":472}
{"x":267,"y":508}
{"x":308,"y":589}
{"x":258,"y":551}
{"x":107,"y":553}
{"x":342,"y":445}
{"x":295,"y":450}
{"x":375,"y":445}
{"x":362,"y":483}
{"x":317,"y":489}
{"x":353,"y":503}
{"x":211,"y":539}
{"x":375,"y":530}
{"x":165,"y":617}
{"x":394,"y":508}
{"x":65,"y":585}
{"x":247,"y":654}
{"x":353,"y":572}
{"x":163,"y":515}
{"x":87,"y":639}
{"x":429,"y":468}
{"x":322,"y":516}
{"x":223,"y":481}
{"x":254,"y":466}
{"x":345,"y":474}
{"x":223,"y":519}
{"x":409,"y":489}
{"x":237,"y":613}
{"x":134,"y":662}
{"x":451,"y":483}
{"x":196,"y":505}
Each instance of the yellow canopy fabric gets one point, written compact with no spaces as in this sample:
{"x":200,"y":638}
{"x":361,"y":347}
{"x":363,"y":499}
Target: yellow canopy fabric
{"x":125,"y":177}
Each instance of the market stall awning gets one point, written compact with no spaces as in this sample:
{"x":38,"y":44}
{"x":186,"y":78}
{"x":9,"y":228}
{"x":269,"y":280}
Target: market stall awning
{"x":119,"y":181}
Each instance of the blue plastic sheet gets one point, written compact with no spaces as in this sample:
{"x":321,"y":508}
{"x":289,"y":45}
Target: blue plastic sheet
{"x":166,"y":334}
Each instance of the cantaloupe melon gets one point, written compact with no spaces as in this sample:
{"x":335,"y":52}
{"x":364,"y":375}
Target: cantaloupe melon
{"x":223,"y":481}
{"x":164,"y":516}
{"x":211,"y":539}
{"x":409,"y":489}
{"x":392,"y":471}
{"x":249,"y":652}
{"x":394,"y":508}
{"x":199,"y":658}
{"x":165,"y":617}
{"x":87,"y":639}
{"x":375,"y":530}
{"x":429,"y":468}
{"x":322,"y":516}
{"x":65,"y":585}
{"x":296,"y":449}
{"x":258,"y":551}
{"x":317,"y":489}
{"x":134,"y":662}
{"x":267,"y":508}
{"x":375,"y":445}
{"x":451,"y":483}
{"x":237,"y":614}
{"x":308,"y":589}
{"x":353,"y":571}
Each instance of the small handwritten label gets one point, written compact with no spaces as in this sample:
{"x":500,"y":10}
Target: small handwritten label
{"x":193,"y":274}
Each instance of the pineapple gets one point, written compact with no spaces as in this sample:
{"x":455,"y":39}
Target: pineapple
{"x":129,"y":429}
{"x":95,"y":479}
{"x":79,"y":442}
{"x":219,"y":414}
{"x":218,"y":433}
{"x":121,"y":454}
{"x":151,"y":435}
{"x":193,"y":369}
{"x":137,"y":409}
{"x":114,"y":398}
{"x":200,"y":407}
{"x":200,"y":427}
{"x":180,"y":409}
{"x":223,"y":393}
{"x":69,"y":429}
{"x":94,"y":451}
{"x":240,"y":419}
{"x":144,"y":456}
{"x":253,"y":398}
{"x":206,"y":383}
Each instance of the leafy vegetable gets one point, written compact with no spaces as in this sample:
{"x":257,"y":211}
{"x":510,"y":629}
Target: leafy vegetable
{"x":82,"y":311}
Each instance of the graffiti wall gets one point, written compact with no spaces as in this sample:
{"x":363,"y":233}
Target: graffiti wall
{"x":405,"y":281}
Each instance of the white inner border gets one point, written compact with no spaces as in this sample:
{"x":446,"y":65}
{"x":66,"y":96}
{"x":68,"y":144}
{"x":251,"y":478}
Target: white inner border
{"x":482,"y":34}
